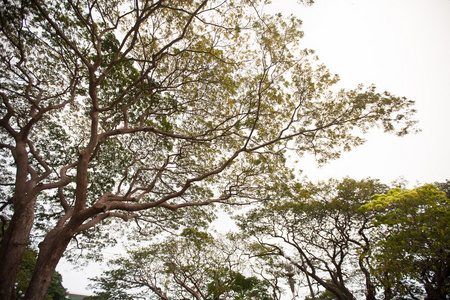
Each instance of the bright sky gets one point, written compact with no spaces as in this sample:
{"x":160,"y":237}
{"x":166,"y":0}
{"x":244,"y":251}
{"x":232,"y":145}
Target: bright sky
{"x":402,"y":46}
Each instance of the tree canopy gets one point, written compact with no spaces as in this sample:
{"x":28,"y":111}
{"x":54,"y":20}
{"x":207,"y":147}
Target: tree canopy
{"x":413,"y":246}
{"x":353,"y":239}
{"x":131,"y":110}
{"x":319,"y":231}
{"x":193,"y":266}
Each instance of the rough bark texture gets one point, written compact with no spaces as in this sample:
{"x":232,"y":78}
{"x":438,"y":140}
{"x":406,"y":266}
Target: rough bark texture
{"x":17,"y":234}
{"x":50,"y":252}
{"x":13,"y":246}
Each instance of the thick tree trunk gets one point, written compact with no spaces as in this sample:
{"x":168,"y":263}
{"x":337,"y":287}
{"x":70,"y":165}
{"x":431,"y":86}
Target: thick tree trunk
{"x":13,"y":246}
{"x":437,"y":288}
{"x":19,"y":227}
{"x":50,"y":252}
{"x":52,"y":248}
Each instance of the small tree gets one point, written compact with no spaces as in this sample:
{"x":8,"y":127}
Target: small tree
{"x":193,"y":266}
{"x":341,"y":233}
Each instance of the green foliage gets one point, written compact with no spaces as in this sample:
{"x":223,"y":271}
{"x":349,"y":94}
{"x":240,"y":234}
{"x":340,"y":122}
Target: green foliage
{"x":336,"y":234}
{"x":248,"y":287}
{"x":413,"y":241}
{"x":444,"y":186}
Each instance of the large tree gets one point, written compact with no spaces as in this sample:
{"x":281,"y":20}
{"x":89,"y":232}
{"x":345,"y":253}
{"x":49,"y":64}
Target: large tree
{"x":133,"y":109}
{"x":319,"y":237}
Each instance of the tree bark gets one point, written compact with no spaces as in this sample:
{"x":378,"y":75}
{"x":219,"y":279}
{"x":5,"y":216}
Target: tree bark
{"x":436,"y":289}
{"x":52,"y":248}
{"x":50,"y":252}
{"x":13,"y":246}
{"x":19,"y":227}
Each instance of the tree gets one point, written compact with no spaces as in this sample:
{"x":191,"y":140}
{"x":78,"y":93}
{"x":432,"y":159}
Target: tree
{"x":193,"y":266}
{"x":339,"y":233}
{"x":131,"y":110}
{"x":320,"y":231}
{"x":413,"y":245}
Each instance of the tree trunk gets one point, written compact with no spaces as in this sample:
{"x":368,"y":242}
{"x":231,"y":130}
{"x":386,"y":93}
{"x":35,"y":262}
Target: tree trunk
{"x":18,"y":232}
{"x":370,"y":290}
{"x":437,"y":288}
{"x":370,"y":293}
{"x":52,"y":248}
{"x":13,"y":246}
{"x":50,"y":252}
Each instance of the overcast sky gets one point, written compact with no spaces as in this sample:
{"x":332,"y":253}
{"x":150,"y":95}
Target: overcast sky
{"x":402,"y":46}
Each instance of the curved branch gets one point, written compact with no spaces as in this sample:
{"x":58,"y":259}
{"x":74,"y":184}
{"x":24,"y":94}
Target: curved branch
{"x":102,"y":217}
{"x":4,"y":122}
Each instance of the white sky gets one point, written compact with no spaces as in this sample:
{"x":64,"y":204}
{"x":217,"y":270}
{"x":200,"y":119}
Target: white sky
{"x":402,"y":46}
